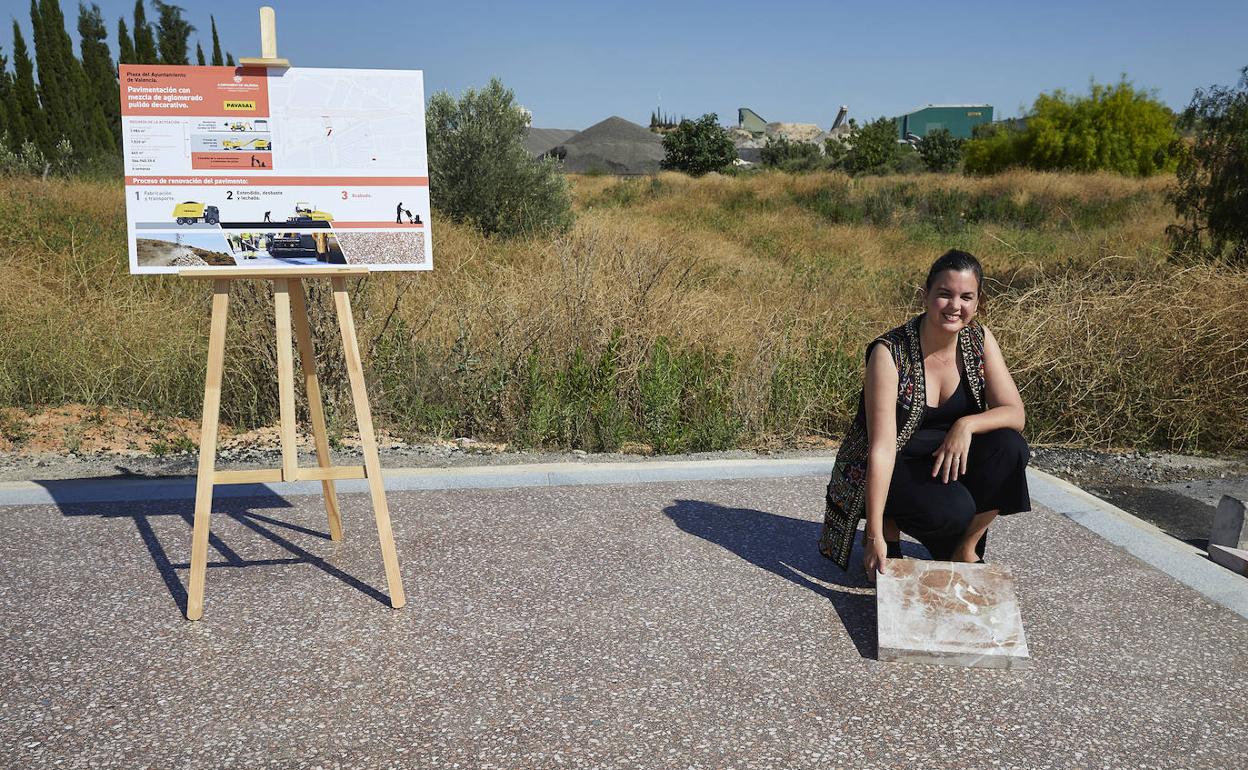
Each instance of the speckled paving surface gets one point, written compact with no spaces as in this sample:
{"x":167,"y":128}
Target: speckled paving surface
{"x":685,"y":625}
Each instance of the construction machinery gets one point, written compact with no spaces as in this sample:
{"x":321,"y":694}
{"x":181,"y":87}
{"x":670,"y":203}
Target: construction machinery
{"x":190,"y":212}
{"x":318,"y":245}
{"x":306,"y":212}
{"x":249,"y":144}
{"x":238,"y":125}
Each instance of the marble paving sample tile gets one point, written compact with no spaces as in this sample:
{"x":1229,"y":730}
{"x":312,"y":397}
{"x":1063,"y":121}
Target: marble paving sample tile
{"x":950,"y":613}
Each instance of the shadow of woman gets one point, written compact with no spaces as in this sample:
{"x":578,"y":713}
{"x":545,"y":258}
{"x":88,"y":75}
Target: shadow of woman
{"x":787,"y":547}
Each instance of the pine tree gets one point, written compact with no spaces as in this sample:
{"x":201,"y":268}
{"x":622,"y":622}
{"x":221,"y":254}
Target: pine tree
{"x":199,"y":54}
{"x":26,"y":119}
{"x":172,"y":33}
{"x":97,"y":65}
{"x":217,"y":61}
{"x":125,"y":45}
{"x":144,"y":43}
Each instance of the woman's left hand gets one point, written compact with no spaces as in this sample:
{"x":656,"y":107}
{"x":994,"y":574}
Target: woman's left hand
{"x":952,"y":455}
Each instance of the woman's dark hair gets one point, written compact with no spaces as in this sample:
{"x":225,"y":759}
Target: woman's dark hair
{"x":956,"y":260}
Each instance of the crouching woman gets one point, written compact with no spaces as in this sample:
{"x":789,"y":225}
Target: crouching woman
{"x":935,"y":449}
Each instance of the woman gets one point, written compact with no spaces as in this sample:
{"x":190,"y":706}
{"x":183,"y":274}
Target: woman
{"x":935,"y":450}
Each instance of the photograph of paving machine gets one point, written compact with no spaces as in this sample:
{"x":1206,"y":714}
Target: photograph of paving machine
{"x":321,"y":246}
{"x":190,"y":212}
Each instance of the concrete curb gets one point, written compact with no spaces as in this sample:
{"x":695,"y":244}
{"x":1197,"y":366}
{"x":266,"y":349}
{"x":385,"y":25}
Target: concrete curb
{"x":1181,"y":561}
{"x":403,"y":479}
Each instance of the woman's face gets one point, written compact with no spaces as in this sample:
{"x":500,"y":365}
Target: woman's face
{"x":952,"y":300}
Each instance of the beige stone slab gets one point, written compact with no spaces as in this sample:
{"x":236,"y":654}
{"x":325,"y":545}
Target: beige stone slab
{"x":950,"y":613}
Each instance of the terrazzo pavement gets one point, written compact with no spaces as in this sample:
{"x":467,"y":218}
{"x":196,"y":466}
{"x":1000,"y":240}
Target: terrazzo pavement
{"x":665,"y":625}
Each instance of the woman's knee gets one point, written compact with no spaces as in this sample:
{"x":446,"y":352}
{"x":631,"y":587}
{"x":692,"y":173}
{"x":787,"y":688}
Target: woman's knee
{"x":1005,"y":443}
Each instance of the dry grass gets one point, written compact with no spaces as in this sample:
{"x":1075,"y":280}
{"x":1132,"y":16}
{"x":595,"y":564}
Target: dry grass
{"x":678,"y":314}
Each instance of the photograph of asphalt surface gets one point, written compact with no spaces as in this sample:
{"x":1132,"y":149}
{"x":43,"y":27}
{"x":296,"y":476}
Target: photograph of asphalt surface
{"x":685,"y":624}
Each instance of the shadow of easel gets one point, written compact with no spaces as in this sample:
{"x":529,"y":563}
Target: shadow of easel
{"x":244,"y":511}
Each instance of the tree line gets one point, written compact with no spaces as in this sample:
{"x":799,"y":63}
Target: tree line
{"x":69,"y":116}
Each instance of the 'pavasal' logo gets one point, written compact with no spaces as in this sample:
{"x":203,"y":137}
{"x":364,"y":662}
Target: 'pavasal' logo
{"x":240,"y":106}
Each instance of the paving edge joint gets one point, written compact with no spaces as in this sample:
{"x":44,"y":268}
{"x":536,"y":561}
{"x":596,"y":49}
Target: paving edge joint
{"x":110,"y":490}
{"x":1182,"y":561}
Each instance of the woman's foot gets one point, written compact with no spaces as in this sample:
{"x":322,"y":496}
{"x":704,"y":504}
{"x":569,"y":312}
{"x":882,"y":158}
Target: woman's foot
{"x":966,"y":555}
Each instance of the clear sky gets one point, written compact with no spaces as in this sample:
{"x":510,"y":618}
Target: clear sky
{"x":574,"y":63}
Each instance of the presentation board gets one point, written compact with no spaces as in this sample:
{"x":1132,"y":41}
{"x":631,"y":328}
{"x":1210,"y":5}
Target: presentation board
{"x":275,"y":168}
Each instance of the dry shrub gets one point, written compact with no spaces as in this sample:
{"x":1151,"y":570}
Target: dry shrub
{"x":1145,"y":358}
{"x":680,"y":313}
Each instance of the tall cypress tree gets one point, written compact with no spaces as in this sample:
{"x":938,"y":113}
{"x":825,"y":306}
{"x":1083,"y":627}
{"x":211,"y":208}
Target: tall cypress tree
{"x":97,"y":65}
{"x":26,"y":118}
{"x":172,"y":34}
{"x":199,"y":54}
{"x":217,"y":60}
{"x":68,"y":97}
{"x":125,"y":46}
{"x":6,"y":98}
{"x":144,"y":43}
{"x":51,"y":84}
{"x":229,"y":60}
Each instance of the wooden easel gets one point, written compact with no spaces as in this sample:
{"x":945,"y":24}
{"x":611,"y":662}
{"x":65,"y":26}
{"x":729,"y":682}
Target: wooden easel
{"x":288,"y":295}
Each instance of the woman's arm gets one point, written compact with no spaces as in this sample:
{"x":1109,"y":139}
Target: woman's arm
{"x":1005,"y":410}
{"x":1005,"y":405}
{"x":880,"y":393}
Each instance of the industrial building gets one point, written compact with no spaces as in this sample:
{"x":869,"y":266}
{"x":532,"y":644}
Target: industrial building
{"x":960,"y":119}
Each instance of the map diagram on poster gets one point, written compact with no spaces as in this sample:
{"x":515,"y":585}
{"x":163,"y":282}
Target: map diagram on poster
{"x":275,"y":168}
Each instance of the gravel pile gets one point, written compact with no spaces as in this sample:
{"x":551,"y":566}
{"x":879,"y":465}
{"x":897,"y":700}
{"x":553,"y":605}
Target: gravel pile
{"x":401,"y":247}
{"x":613,"y":146}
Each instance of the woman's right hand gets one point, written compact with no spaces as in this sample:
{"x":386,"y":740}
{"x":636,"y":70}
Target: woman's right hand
{"x":874,"y":552}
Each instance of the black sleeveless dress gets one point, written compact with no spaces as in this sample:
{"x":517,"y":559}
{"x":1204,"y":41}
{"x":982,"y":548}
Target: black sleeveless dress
{"x":936,"y":513}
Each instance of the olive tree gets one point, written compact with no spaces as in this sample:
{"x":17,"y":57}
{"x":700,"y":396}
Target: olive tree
{"x":479,"y":171}
{"x":1212,"y":192}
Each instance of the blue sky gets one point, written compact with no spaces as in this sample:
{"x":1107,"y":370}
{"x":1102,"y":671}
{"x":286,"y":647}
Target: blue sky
{"x":574,"y":63}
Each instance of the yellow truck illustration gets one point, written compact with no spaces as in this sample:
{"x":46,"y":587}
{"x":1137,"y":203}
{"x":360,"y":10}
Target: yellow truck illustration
{"x":240,"y":126}
{"x":250,"y":144}
{"x":190,"y":212}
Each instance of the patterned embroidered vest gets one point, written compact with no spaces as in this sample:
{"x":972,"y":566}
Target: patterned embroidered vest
{"x":847,"y":491}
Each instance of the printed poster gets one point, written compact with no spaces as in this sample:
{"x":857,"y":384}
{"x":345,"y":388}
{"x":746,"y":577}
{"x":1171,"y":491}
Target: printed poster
{"x":269,"y":168}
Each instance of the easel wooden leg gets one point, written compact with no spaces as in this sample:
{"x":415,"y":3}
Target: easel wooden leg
{"x":368,"y":442}
{"x":286,"y":380}
{"x":207,"y":449}
{"x":307,"y":358}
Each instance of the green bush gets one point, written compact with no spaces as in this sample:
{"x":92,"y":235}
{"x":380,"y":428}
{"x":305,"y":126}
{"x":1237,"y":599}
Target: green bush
{"x":940,"y":150}
{"x":698,"y":146}
{"x":1114,"y":128}
{"x":1212,"y":193}
{"x":874,"y":148}
{"x":479,"y":171}
{"x":784,"y":154}
{"x":992,"y":148}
